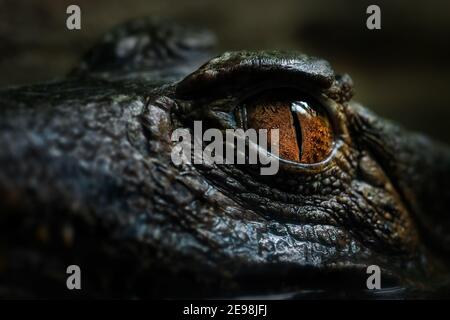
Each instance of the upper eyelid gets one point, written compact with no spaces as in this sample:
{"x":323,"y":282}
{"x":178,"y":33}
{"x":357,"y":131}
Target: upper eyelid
{"x":234,"y":71}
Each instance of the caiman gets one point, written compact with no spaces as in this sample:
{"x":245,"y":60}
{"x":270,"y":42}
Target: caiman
{"x":86,"y":179}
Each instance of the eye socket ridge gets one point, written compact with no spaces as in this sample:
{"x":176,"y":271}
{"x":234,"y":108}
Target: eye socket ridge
{"x":233,"y":71}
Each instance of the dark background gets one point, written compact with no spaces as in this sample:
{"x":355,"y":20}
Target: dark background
{"x":401,"y":71}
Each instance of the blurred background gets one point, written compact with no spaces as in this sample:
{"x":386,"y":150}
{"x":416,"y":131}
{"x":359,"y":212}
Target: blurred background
{"x":401,"y":71}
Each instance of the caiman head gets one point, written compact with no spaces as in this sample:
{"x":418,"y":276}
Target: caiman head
{"x":87,"y":179}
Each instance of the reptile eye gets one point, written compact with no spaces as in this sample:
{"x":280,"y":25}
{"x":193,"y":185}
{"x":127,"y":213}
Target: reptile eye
{"x":305,"y":131}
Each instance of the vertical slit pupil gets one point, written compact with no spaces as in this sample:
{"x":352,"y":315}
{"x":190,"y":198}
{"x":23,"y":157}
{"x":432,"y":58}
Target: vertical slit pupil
{"x":298,"y":132}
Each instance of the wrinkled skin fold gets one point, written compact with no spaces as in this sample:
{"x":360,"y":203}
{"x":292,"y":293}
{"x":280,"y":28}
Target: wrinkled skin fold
{"x":86,"y":178}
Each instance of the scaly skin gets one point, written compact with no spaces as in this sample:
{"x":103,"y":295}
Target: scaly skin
{"x":86,"y":178}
